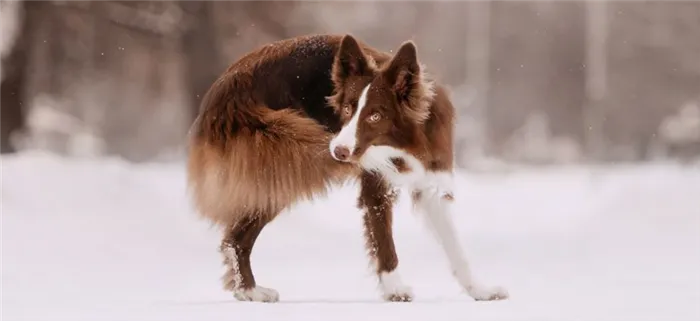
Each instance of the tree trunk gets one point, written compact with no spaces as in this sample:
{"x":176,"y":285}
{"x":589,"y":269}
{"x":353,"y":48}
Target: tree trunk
{"x":536,"y":67}
{"x":202,"y":58}
{"x":14,"y":81}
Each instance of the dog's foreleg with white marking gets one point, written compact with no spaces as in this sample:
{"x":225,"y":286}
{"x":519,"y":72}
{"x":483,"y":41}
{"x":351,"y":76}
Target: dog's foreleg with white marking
{"x":376,"y":201}
{"x":433,"y":202}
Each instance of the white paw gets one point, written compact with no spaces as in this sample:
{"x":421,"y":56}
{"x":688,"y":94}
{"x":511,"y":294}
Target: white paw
{"x":256,"y":294}
{"x":393,"y":288}
{"x":400,"y":294}
{"x":482,"y":293}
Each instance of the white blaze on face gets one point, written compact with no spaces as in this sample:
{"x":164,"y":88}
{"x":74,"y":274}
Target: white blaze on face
{"x":348,"y":134}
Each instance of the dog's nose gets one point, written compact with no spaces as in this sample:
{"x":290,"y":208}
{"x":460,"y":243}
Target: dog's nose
{"x":341,"y":153}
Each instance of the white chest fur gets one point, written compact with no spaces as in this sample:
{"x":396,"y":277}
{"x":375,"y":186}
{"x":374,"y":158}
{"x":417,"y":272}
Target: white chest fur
{"x":414,"y":176}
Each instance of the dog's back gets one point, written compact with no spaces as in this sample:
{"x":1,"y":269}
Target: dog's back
{"x":260,"y":141}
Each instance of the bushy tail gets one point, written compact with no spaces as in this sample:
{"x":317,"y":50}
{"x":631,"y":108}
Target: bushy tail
{"x":248,"y":159}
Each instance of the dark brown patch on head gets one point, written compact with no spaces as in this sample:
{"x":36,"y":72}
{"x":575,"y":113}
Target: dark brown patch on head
{"x":352,"y":70}
{"x":350,"y":61}
{"x":412,"y":93}
{"x":448,"y":197}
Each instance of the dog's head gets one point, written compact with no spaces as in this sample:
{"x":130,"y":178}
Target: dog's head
{"x":382,"y":107}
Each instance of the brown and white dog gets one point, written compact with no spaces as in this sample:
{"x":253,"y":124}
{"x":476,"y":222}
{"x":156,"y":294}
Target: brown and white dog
{"x":288,"y":120}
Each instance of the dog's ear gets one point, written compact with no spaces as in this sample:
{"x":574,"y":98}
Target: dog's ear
{"x":404,"y":75}
{"x":403,"y":72}
{"x":350,"y":60}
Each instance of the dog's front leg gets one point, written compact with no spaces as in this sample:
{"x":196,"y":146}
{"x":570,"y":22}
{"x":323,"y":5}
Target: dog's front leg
{"x":376,"y":200}
{"x":434,"y":204}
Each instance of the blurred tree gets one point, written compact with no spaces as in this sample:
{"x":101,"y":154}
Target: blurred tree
{"x":14,"y":81}
{"x":140,"y":53}
{"x":242,"y":26}
{"x":267,"y":14}
{"x":62,"y":87}
{"x":537,"y":63}
{"x":653,"y":69}
{"x":115,"y":66}
{"x":200,"y":48}
{"x":204,"y":34}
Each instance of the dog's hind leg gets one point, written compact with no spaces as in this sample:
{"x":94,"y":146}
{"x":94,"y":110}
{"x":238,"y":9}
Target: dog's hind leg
{"x":236,"y":248}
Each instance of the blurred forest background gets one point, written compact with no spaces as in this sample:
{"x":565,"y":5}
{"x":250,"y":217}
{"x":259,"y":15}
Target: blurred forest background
{"x":538,"y":82}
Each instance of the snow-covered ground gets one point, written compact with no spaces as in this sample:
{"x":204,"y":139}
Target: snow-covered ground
{"x":107,"y":240}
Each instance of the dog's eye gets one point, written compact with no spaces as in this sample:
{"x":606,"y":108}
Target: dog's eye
{"x":374,"y":117}
{"x":347,"y":110}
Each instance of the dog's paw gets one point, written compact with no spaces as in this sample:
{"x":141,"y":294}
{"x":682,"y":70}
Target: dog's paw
{"x":403,"y":294}
{"x":393,"y":288}
{"x":256,"y":294}
{"x":482,"y":293}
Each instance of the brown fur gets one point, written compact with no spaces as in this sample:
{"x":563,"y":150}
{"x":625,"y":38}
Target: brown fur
{"x":240,"y":238}
{"x":262,"y":172}
{"x":248,"y":158}
{"x":261,"y":140}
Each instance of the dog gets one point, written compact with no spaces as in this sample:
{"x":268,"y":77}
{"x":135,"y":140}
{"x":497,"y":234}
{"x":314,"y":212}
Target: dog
{"x":291,"y":118}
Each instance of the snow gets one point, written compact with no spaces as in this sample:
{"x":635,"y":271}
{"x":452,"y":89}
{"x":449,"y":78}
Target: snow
{"x":102,"y":239}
